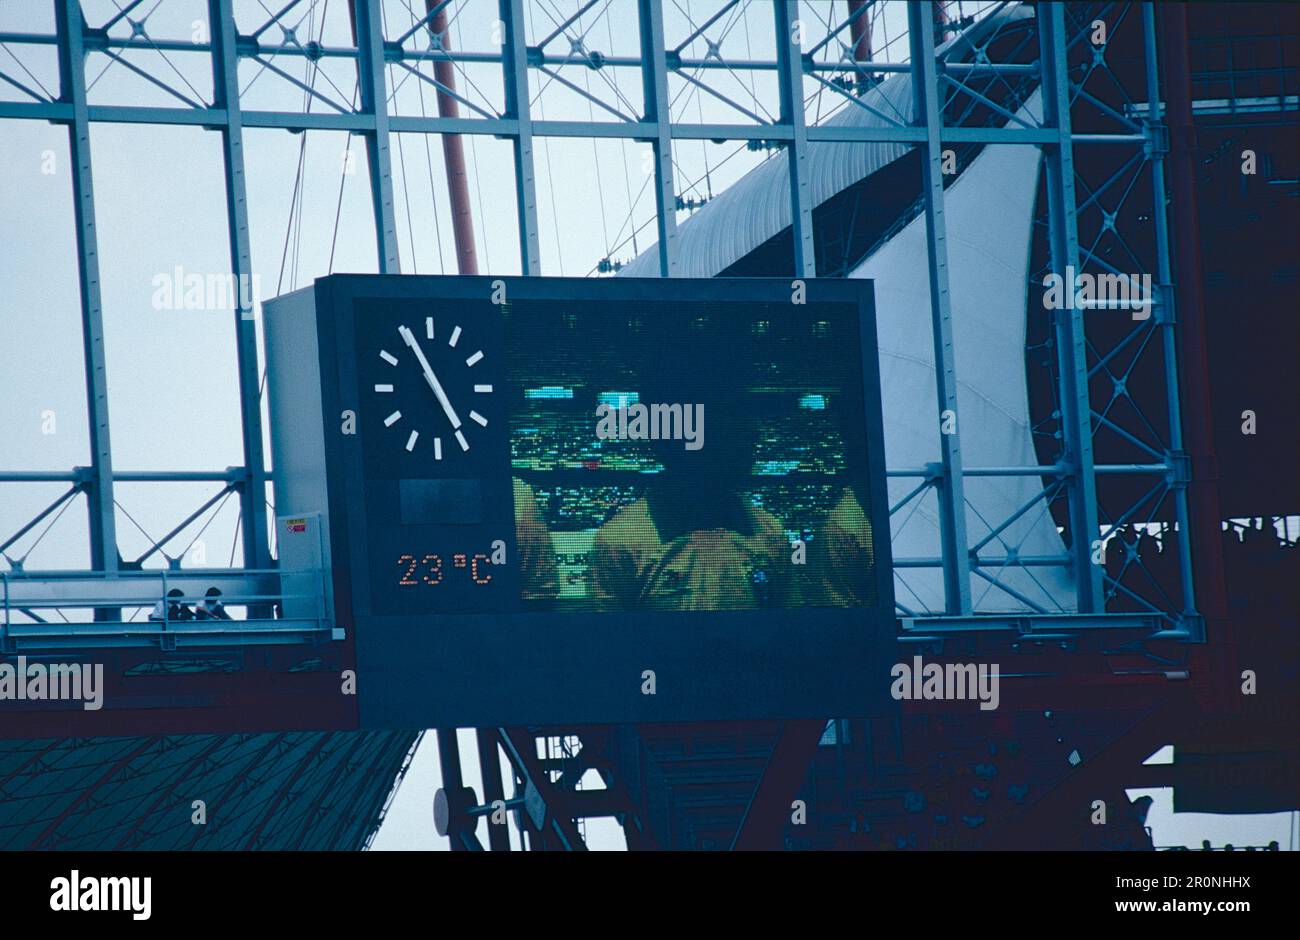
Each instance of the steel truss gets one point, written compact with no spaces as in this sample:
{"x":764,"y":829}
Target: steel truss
{"x":830,"y":67}
{"x":1073,"y":477}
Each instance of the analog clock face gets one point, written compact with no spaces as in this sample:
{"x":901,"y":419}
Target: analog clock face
{"x":434,"y":454}
{"x":430,"y":390}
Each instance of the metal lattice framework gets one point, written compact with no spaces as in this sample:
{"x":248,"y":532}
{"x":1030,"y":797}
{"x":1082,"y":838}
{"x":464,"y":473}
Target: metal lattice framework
{"x":830,"y":67}
{"x":960,"y":103}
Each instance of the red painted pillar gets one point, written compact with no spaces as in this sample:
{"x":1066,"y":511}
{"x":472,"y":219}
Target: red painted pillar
{"x":1206,"y":537}
{"x":860,"y":30}
{"x":941,"y":21}
{"x":453,"y":152}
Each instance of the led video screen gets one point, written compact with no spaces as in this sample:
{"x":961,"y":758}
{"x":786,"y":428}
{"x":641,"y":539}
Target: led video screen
{"x":688,"y":459}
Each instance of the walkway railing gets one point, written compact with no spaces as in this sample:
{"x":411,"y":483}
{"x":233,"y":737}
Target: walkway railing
{"x":155,"y":619}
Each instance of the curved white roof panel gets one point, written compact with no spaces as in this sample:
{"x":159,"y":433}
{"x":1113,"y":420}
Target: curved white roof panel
{"x":756,"y":207}
{"x":989,"y":213}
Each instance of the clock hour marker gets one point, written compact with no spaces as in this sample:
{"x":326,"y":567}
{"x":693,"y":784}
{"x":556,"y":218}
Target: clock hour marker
{"x":455,"y":337}
{"x":392,"y":419}
{"x":474,"y":358}
{"x":388,"y":357}
{"x":483,"y":388}
{"x":428,"y":327}
{"x":437,"y":448}
{"x":383,"y":388}
{"x":479,"y":418}
{"x":410,"y":441}
{"x":460,"y":439}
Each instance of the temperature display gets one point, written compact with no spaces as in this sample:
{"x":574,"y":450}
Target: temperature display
{"x":428,"y":569}
{"x":417,"y":572}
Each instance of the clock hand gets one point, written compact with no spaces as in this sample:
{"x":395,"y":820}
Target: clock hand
{"x":429,"y":377}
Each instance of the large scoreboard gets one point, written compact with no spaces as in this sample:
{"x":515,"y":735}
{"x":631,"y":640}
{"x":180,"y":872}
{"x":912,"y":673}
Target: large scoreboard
{"x":545,"y":500}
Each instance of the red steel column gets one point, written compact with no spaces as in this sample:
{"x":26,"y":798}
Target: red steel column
{"x":860,"y":30}
{"x":941,"y":21}
{"x":453,"y":151}
{"x":1206,"y":537}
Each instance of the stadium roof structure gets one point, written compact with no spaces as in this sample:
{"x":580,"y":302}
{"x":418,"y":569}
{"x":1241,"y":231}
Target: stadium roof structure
{"x":329,"y":790}
{"x":990,"y":209}
{"x":757,"y":206}
{"x":302,"y":790}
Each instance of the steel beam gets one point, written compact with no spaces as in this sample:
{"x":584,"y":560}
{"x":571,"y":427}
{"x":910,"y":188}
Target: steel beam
{"x":859,"y":21}
{"x":1164,"y":281}
{"x":514,"y":62}
{"x":396,"y":51}
{"x":950,"y":489}
{"x":770,"y":805}
{"x":79,"y":475}
{"x":1071,"y":344}
{"x":654,"y":70}
{"x":452,"y":779}
{"x":790,"y":79}
{"x":489,"y":762}
{"x":1201,"y":531}
{"x":35,"y":520}
{"x":72,"y":78}
{"x":156,"y":545}
{"x":1032,"y":626}
{"x":453,"y":148}
{"x":541,"y":798}
{"x":362,"y":123}
{"x":225,"y":84}
{"x":369,"y":33}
